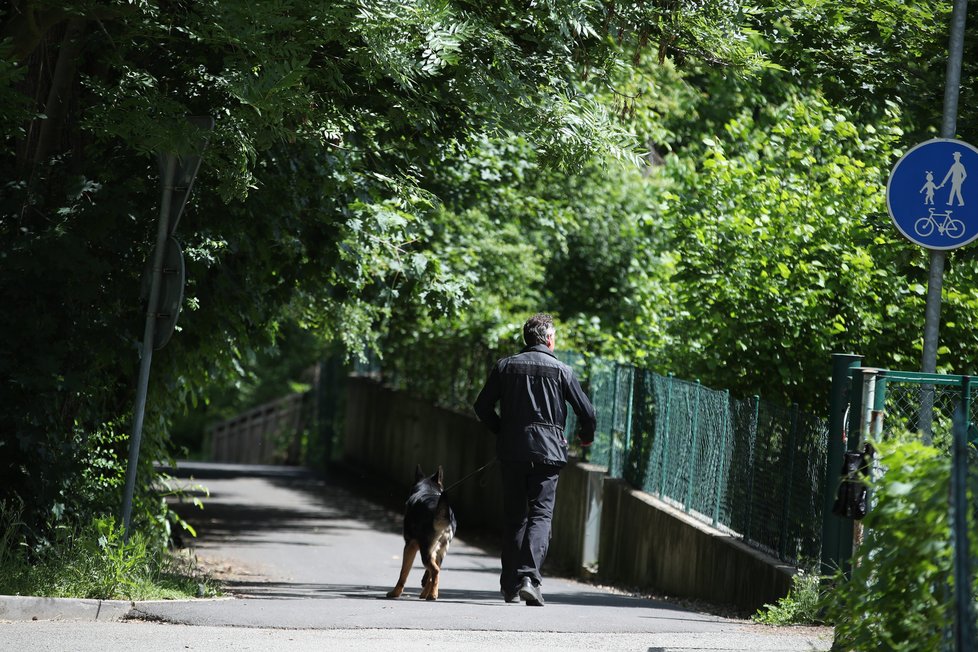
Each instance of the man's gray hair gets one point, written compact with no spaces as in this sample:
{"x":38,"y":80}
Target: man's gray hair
{"x":538,"y":329}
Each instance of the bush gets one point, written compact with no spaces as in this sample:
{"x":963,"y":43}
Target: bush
{"x":899,"y":595}
{"x":93,"y":561}
{"x":802,"y":605}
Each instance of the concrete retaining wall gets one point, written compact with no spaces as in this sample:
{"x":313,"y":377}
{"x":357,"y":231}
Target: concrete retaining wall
{"x":635,"y":540}
{"x":647,"y":542}
{"x":389,"y":432}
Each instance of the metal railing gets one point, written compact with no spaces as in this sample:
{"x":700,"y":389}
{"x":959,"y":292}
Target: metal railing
{"x":939,"y":407}
{"x":748,"y":467}
{"x":267,"y":434}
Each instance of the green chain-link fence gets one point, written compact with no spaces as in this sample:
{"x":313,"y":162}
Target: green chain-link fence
{"x":748,"y":467}
{"x":908,"y":401}
{"x":940,"y":408}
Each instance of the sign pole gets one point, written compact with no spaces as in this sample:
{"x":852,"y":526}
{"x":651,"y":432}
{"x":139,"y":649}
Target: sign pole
{"x":146,"y":356}
{"x":935,"y":282}
{"x":178,"y":173}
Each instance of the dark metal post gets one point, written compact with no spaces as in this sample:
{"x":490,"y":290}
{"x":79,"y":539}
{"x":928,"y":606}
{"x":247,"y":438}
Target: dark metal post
{"x":964,"y":623}
{"x":692,"y":452}
{"x":146,"y":357}
{"x":720,"y":482}
{"x":836,"y":530}
{"x":935,"y":281}
{"x":786,"y":492}
{"x":628,"y":420}
{"x":614,"y":418}
{"x":665,"y":440}
{"x":752,"y":465}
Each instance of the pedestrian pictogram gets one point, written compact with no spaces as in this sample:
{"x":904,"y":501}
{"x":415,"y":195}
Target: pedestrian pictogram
{"x":936,"y":214}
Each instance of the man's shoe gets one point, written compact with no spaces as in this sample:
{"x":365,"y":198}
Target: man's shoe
{"x":530,"y":594}
{"x":511,"y":597}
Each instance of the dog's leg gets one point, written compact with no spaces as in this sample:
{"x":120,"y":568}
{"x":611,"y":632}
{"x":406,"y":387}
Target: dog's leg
{"x":430,"y":591}
{"x":410,"y":550}
{"x":433,"y":573}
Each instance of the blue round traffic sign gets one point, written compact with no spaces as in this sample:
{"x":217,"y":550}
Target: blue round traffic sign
{"x":932,"y":194}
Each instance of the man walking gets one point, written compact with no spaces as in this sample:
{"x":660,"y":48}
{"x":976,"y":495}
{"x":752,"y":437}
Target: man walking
{"x":532,"y":389}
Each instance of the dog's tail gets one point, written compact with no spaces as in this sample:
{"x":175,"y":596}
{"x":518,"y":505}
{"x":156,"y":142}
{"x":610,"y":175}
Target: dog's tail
{"x":443,"y":511}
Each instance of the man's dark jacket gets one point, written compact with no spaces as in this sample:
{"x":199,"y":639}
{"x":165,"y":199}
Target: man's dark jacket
{"x":533,"y":388}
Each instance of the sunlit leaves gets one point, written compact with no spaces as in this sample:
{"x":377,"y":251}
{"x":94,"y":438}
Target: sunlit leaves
{"x":898,"y":597}
{"x":777,"y":229}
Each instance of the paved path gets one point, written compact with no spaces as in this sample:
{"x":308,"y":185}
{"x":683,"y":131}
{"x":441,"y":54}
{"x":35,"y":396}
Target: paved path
{"x":309,"y":563}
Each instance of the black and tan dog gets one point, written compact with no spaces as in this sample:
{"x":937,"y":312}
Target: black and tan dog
{"x":429,"y":526}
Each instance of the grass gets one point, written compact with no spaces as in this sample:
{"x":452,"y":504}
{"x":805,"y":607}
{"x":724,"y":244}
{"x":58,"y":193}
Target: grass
{"x":93,"y":561}
{"x":802,"y":605}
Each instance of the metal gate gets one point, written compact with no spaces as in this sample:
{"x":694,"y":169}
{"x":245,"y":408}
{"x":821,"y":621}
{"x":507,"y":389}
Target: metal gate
{"x":870,"y":404}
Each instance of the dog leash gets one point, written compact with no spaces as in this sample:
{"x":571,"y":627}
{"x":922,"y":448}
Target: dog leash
{"x":478,"y":470}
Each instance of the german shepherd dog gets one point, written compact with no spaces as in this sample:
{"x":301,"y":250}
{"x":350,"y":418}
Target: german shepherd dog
{"x":429,"y":526}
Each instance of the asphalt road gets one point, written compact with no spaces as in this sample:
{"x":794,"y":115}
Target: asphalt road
{"x":308,"y":563}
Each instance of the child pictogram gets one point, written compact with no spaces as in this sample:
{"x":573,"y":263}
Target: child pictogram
{"x":930,"y":187}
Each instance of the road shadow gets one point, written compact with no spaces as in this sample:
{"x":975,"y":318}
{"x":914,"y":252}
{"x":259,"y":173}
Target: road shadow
{"x":221,"y":521}
{"x":246,"y":589}
{"x":344,"y":497}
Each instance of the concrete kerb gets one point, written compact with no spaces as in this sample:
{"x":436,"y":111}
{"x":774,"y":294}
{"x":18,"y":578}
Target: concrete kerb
{"x":19,"y":608}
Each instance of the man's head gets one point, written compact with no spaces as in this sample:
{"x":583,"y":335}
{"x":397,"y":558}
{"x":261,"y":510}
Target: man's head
{"x":539,"y":329}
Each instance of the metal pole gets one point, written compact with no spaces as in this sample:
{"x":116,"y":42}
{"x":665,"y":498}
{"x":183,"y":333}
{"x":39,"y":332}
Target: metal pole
{"x":665,"y":440}
{"x":786,"y":484}
{"x":755,"y":419}
{"x":935,"y":281}
{"x":147,"y":350}
{"x":692,"y":452}
{"x":720,"y":482}
{"x":628,"y":422}
{"x":964,"y":616}
{"x":835,"y":528}
{"x":614,"y":418}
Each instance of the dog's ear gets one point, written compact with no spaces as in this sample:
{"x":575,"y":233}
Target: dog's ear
{"x":418,"y":473}
{"x":439,"y":478}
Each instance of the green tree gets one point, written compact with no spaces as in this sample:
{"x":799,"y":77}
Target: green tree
{"x":310,"y":206}
{"x":783,"y":255}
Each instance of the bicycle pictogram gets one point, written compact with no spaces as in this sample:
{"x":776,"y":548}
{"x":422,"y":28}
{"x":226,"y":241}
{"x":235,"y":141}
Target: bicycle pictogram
{"x":949,"y":226}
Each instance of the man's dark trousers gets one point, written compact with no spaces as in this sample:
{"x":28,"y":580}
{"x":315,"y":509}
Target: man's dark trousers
{"x":529,"y":492}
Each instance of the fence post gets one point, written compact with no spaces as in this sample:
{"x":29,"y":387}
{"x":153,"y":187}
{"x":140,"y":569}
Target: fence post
{"x":628,"y":420}
{"x":692,"y":452}
{"x":787,"y":485}
{"x":665,"y":442}
{"x":720,"y":484}
{"x":751,"y":465}
{"x":612,"y":471}
{"x":963,"y":619}
{"x":835,"y":530}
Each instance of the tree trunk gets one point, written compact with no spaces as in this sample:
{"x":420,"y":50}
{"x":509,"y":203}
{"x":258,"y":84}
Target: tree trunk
{"x":61,"y":82}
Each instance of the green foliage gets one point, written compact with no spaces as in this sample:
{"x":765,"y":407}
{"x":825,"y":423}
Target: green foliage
{"x":892,"y":50}
{"x":93,"y":561}
{"x":781,"y":248}
{"x":802,"y":605}
{"x":902,"y":583}
{"x":311,"y":206}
